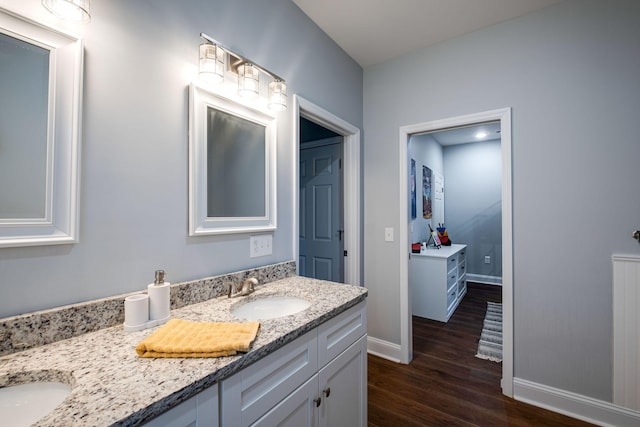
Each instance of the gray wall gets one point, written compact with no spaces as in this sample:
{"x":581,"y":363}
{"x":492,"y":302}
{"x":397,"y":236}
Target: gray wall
{"x":139,"y":59}
{"x":426,"y":152}
{"x":472,"y":176}
{"x":571,"y":74}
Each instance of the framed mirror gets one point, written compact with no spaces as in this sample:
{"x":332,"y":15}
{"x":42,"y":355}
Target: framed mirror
{"x":231,"y":166}
{"x":40,"y":107}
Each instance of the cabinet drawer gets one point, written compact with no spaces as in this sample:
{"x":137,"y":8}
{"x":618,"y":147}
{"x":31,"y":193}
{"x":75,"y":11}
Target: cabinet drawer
{"x":462,"y":286}
{"x":462,"y":269}
{"x":338,"y":333}
{"x":451,"y":279}
{"x":452,"y":262}
{"x":256,"y":389}
{"x":451,"y":297}
{"x":462,"y":255}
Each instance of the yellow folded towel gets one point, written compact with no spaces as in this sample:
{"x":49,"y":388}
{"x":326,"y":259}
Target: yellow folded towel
{"x":182,"y":338}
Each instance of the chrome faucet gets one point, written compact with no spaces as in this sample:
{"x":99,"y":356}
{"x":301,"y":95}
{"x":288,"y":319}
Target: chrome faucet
{"x":248,"y":287}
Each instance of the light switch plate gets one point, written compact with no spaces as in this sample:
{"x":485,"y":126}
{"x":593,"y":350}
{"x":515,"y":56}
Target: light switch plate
{"x":260,"y":245}
{"x":388,"y":234}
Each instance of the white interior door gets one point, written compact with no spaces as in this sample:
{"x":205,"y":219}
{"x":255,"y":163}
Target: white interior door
{"x":321,"y":247}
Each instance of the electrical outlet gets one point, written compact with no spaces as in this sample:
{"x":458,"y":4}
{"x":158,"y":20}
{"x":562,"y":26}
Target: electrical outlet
{"x":388,"y":234}
{"x":260,"y":245}
{"x":487,"y":259}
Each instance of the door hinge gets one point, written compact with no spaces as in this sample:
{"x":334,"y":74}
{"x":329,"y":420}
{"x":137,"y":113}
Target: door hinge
{"x":339,"y":163}
{"x":345,"y":253}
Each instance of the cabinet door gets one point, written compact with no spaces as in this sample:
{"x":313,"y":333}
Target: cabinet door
{"x":297,"y":410}
{"x":343,"y":388}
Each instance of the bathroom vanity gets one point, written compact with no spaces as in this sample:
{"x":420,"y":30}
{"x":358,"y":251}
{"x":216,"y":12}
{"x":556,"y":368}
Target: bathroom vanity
{"x":438,"y":281}
{"x":319,"y":379}
{"x":308,"y":368}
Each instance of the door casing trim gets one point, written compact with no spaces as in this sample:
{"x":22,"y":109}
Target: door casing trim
{"x":351,"y":197}
{"x":504,"y":116}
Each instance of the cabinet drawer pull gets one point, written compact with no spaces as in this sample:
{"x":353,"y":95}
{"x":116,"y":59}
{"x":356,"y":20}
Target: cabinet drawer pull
{"x":327,"y":391}
{"x":317,"y":401}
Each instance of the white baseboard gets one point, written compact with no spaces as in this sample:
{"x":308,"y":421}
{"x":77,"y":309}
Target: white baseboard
{"x":487,"y":280}
{"x":384,"y":349}
{"x":574,"y":405}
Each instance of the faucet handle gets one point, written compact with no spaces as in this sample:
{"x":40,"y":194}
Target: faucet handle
{"x":233,"y":289}
{"x":249,"y":286}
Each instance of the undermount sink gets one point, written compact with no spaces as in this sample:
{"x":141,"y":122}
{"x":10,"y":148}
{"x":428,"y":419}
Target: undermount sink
{"x":269,"y":307}
{"x":24,"y":404}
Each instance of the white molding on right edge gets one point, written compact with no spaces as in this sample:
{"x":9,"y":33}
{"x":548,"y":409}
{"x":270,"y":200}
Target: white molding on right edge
{"x":574,"y":405}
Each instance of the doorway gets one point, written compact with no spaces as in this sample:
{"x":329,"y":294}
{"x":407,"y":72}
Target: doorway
{"x":351,"y":198}
{"x":321,"y":214}
{"x":503,"y":116}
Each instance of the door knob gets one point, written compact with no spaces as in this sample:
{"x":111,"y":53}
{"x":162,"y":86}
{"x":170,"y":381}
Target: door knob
{"x":636,"y":235}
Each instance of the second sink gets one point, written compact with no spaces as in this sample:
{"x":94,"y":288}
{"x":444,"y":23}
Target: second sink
{"x":269,"y":307}
{"x":24,"y":404}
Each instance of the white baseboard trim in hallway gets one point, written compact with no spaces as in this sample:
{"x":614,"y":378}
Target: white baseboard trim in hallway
{"x":384,"y":349}
{"x":574,"y":405}
{"x":486,"y":280}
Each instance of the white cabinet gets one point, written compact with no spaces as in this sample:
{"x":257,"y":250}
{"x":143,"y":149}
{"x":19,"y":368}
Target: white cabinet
{"x":199,"y":411}
{"x":320,"y":379}
{"x":334,"y":397}
{"x":438,"y":281}
{"x":343,"y":388}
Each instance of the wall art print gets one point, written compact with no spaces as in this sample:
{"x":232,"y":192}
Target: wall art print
{"x":412,"y":185}
{"x":427,"y":208}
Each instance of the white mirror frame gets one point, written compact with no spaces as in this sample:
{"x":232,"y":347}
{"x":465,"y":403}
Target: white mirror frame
{"x":199,"y":223}
{"x":60,"y":222}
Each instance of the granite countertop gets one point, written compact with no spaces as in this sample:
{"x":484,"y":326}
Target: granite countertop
{"x":111,"y":385}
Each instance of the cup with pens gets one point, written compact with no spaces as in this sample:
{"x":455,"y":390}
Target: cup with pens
{"x":443,"y":235}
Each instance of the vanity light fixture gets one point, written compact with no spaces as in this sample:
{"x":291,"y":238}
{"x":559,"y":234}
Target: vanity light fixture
{"x":211,"y":63}
{"x":248,"y":80}
{"x":70,"y":10}
{"x":278,"y":95}
{"x":214,"y":55}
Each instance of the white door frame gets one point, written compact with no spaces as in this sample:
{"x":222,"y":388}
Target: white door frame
{"x":504,"y":116}
{"x":351,"y":196}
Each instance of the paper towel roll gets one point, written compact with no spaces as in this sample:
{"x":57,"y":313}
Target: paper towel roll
{"x":136,"y":311}
{"x":159,"y":302}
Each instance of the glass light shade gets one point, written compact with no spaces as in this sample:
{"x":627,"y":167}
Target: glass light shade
{"x":277,"y":95}
{"x":211,"y":63}
{"x":70,"y":10}
{"x":248,"y":81}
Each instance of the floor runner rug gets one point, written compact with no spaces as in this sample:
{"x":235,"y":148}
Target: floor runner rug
{"x":490,"y":343}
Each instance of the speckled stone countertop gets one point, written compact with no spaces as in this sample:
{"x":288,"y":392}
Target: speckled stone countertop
{"x":111,"y":385}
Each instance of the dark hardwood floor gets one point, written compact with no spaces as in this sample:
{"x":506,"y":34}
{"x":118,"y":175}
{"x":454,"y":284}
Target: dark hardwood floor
{"x":445,"y":384}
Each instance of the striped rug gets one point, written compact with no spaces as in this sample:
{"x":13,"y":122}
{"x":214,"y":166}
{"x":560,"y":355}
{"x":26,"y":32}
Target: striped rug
{"x":490,"y":344}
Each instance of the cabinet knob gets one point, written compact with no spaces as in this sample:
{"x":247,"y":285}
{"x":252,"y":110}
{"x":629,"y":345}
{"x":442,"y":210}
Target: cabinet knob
{"x":317,"y":401}
{"x":327,"y":391}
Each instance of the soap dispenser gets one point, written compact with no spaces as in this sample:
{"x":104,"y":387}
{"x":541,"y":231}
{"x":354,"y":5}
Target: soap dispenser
{"x":159,"y":299}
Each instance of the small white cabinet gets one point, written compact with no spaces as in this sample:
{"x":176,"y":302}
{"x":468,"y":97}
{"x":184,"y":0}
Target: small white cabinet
{"x":320,"y":379}
{"x":438,"y":281}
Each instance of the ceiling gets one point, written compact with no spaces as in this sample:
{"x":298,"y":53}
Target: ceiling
{"x":467,"y":134}
{"x":374,"y":31}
